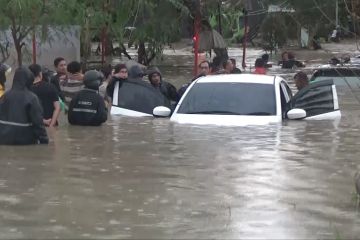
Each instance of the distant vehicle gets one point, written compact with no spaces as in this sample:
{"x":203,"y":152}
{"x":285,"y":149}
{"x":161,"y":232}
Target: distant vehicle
{"x":249,"y":99}
{"x":344,"y":76}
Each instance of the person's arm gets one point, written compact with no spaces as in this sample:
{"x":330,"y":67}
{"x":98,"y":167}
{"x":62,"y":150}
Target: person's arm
{"x":102,"y":111}
{"x":56,"y":114}
{"x":174,"y":96}
{"x":55,"y":81}
{"x":36,"y":118}
{"x":110,"y":88}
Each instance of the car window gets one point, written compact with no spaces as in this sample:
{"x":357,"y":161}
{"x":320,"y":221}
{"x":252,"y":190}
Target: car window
{"x":315,"y":99}
{"x":140,"y":96}
{"x":230,"y":98}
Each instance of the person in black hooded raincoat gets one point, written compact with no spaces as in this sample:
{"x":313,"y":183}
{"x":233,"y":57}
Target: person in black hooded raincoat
{"x":167,"y":89}
{"x":21,"y":120}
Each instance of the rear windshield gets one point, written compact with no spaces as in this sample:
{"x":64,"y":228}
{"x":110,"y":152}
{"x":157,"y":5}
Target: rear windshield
{"x":230,"y":99}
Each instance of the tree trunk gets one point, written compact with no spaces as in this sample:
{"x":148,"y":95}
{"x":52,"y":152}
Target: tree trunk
{"x":142,"y":58}
{"x":17,"y":44}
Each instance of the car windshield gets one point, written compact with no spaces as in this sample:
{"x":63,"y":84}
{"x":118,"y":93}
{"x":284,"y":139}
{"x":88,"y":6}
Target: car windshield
{"x":140,"y":96}
{"x":230,"y":99}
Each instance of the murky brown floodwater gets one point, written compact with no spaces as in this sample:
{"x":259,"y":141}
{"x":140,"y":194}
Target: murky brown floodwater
{"x":149,"y":178}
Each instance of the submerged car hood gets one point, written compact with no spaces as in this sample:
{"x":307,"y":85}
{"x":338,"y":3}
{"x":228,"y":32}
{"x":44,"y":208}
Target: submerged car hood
{"x":224,"y":120}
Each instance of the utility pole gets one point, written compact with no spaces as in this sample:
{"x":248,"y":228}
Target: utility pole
{"x":337,"y":12}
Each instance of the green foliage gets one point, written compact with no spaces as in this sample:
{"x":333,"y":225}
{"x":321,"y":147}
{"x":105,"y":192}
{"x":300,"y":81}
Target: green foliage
{"x":273,"y":32}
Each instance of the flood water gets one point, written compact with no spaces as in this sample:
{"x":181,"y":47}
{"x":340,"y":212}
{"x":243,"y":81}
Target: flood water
{"x":145,"y":178}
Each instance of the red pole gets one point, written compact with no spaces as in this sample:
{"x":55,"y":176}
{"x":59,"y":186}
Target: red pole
{"x":245,"y":37}
{"x":196,"y":43}
{"x":34,"y":48}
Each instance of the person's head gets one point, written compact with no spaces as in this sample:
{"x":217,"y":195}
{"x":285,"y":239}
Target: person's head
{"x":259,"y":63}
{"x":216,"y":64}
{"x":228,"y":66}
{"x":285,"y":56}
{"x":60,"y":65}
{"x":23,"y":78}
{"x":136,"y":72}
{"x":120,"y":71}
{"x":204,"y":68}
{"x":265,"y":58}
{"x":233,"y":62}
{"x":301,"y":80}
{"x":74,"y":67}
{"x":36,"y":71}
{"x":154,"y":75}
{"x":93,"y":79}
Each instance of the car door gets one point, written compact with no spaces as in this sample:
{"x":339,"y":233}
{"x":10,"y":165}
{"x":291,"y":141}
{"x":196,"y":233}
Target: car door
{"x":285,"y":96}
{"x":319,"y":100}
{"x":136,"y":98}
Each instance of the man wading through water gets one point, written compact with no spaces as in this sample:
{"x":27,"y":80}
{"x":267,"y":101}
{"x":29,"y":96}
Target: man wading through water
{"x":47,"y":95}
{"x":61,"y":75}
{"x":21,"y":120}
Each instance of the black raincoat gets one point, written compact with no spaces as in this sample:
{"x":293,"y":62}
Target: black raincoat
{"x":21,"y":120}
{"x":87,"y":108}
{"x":167,"y":89}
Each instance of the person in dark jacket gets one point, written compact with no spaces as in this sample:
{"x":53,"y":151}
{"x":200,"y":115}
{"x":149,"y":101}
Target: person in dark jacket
{"x":21,"y":120}
{"x":235,"y":70}
{"x":136,"y":73}
{"x":120,"y":75}
{"x":167,"y":89}
{"x":88,"y":108}
{"x":47,"y":95}
{"x":204,"y":70}
{"x":60,"y":76}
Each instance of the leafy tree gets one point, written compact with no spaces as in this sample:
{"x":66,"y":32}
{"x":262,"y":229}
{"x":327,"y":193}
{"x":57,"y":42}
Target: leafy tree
{"x":273,"y":32}
{"x":22,"y":16}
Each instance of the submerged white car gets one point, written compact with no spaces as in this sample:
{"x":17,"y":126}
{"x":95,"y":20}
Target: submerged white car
{"x":249,"y":99}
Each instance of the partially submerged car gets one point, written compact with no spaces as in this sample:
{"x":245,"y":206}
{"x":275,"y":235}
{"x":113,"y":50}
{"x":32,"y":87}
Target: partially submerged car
{"x":136,"y":98}
{"x":249,"y":99}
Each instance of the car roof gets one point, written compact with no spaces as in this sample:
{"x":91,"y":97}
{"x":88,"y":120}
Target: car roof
{"x":329,"y":67}
{"x":239,"y":78}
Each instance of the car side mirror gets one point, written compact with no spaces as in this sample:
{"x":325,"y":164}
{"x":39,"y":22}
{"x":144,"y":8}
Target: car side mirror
{"x":296,"y":114}
{"x":161,"y":112}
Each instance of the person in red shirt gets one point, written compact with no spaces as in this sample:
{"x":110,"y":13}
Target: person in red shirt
{"x":260,"y":66}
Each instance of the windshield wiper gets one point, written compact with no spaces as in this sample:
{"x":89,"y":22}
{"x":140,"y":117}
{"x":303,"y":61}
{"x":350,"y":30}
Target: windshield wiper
{"x":215,"y":112}
{"x":259,"y":114}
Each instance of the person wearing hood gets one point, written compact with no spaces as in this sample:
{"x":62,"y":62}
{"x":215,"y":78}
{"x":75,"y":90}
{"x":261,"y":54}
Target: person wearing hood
{"x":21,"y":118}
{"x":4,"y":70}
{"x":167,"y":89}
{"x":136,"y":73}
{"x":88,"y":108}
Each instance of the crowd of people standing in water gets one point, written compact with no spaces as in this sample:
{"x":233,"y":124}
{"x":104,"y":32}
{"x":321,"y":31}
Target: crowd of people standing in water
{"x":38,"y":96}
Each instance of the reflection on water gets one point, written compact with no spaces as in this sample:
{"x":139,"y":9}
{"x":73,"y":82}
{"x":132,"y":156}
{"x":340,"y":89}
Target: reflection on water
{"x":149,"y":178}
